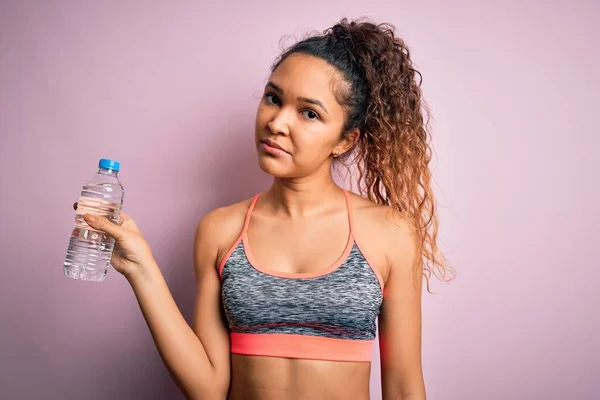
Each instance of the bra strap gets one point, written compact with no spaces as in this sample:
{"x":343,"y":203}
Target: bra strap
{"x":350,"y":219}
{"x":249,"y":213}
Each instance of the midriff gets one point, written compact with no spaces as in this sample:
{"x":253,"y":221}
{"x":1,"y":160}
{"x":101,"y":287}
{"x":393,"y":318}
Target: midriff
{"x":274,"y":378}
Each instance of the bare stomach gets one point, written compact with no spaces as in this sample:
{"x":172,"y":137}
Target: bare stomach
{"x":272,"y":378}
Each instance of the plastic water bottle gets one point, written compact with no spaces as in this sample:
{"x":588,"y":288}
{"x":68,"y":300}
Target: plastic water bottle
{"x":89,"y":253}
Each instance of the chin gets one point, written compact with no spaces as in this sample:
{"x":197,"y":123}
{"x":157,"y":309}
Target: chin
{"x":274,"y":167}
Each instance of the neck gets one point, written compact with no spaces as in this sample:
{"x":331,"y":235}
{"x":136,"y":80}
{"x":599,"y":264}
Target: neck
{"x":303,"y":197}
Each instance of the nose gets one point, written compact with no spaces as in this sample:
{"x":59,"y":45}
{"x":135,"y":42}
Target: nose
{"x":279,"y":124}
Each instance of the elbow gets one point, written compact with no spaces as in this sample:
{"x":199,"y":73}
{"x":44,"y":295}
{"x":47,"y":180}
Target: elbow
{"x":414,"y":392}
{"x":405,"y":391}
{"x":220,"y":385}
{"x":214,"y":388}
{"x":420,"y":395}
{"x":215,"y":391}
{"x":200,"y":392}
{"x":406,"y":395}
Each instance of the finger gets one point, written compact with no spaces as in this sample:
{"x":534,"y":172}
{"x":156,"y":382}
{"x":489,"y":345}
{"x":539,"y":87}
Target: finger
{"x":103,"y":224}
{"x":129,"y":223}
{"x":121,"y":220}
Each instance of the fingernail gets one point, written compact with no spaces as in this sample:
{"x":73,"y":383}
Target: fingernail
{"x":89,"y":218}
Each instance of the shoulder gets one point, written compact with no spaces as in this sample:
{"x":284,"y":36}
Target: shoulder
{"x":381,"y":216}
{"x":224,"y":219}
{"x":219,"y":229}
{"x":386,"y":233}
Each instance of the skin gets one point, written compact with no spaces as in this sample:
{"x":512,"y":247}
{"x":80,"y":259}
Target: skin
{"x":299,"y":225}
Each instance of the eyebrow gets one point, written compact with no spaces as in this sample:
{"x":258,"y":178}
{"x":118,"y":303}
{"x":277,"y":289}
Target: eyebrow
{"x":303,"y":99}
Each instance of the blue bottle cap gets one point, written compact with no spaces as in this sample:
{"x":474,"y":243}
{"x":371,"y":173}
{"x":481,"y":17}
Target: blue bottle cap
{"x":109,"y":164}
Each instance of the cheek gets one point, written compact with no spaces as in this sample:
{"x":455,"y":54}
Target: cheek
{"x":313,"y":145}
{"x":261,"y":114}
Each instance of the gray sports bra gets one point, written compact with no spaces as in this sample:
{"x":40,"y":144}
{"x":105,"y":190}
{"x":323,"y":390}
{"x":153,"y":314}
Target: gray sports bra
{"x":326,"y":315}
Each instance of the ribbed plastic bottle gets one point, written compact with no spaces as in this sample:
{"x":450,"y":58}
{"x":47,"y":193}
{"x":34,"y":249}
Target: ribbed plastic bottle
{"x":89,"y":252}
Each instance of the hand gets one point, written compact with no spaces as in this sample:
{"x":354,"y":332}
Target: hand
{"x":131,"y":253}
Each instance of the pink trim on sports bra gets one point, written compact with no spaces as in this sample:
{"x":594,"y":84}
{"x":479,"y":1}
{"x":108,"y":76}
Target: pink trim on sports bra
{"x":351,"y":241}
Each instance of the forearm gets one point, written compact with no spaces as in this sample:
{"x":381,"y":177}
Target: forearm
{"x":180,"y":348}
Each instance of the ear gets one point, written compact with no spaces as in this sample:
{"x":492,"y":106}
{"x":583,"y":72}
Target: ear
{"x":347,"y":143}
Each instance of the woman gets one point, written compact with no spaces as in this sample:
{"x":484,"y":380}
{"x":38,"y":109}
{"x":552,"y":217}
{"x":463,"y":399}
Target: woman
{"x":291,"y":282}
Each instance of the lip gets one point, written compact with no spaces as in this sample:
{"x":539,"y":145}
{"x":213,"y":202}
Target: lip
{"x":271,"y":143}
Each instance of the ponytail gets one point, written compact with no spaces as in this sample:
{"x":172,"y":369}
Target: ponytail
{"x":382,"y":96}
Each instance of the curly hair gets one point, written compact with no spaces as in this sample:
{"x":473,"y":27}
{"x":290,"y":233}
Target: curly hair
{"x":383,"y":99}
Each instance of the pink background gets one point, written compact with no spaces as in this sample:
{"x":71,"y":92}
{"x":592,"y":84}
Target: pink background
{"x":170,"y":90}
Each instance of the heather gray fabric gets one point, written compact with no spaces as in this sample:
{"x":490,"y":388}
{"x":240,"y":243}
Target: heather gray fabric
{"x":343,"y":303}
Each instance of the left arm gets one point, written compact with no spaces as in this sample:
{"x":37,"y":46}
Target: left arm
{"x":400,"y":317}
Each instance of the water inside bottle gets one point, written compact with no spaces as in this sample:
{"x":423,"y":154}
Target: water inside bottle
{"x":89,"y":252}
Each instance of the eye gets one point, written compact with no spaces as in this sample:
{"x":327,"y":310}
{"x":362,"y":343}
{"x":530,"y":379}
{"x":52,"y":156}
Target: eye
{"x":272,"y":99}
{"x":311,"y":115}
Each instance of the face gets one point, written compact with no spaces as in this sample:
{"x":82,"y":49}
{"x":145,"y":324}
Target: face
{"x":299,"y":121}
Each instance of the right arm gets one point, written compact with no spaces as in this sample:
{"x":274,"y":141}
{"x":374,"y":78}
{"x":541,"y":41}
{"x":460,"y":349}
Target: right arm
{"x":197,"y":358}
